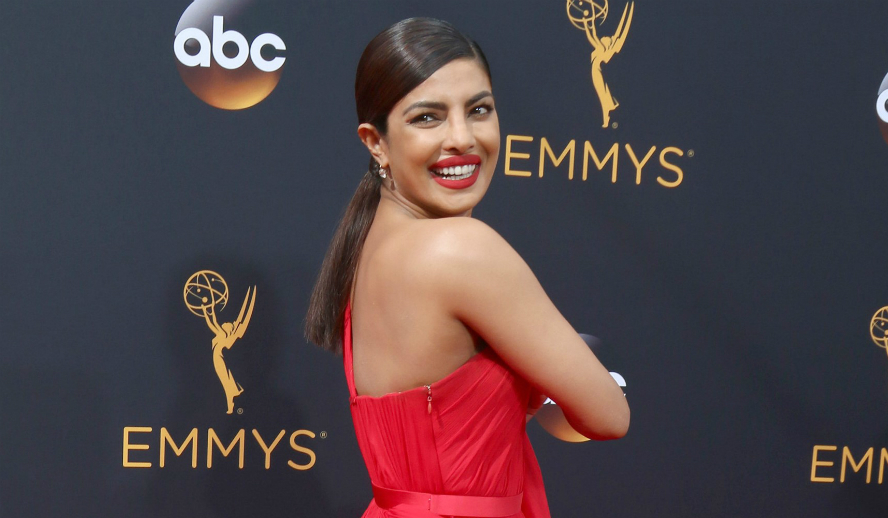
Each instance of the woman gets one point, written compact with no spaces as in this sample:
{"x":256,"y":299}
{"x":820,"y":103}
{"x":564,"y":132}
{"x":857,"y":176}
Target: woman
{"x":448,"y":338}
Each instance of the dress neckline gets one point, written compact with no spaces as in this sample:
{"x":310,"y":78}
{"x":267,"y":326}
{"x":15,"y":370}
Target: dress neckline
{"x":350,"y":371}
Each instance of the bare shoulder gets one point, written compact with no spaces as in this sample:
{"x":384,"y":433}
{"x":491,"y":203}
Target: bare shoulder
{"x":452,"y":255}
{"x":463,"y":240}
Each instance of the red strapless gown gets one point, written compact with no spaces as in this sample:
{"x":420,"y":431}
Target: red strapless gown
{"x":463,"y":435}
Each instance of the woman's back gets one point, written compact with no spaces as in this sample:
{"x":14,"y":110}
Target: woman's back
{"x":405,"y":335}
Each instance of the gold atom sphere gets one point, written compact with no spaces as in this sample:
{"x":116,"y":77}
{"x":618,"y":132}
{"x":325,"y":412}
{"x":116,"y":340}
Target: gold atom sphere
{"x":879,"y":328}
{"x":583,"y":12}
{"x":204,"y":291}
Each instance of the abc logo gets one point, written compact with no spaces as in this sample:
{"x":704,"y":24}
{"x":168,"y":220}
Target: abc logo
{"x":882,"y":108}
{"x":221,"y":60}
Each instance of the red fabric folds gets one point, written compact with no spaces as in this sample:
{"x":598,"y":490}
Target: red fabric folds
{"x":473,"y":443}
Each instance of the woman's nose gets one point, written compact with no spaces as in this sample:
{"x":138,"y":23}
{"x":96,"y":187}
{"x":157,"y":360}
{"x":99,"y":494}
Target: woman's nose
{"x":460,"y":137}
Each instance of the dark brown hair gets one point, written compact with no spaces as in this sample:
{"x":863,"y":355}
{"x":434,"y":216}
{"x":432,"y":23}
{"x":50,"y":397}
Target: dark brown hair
{"x":395,"y":62}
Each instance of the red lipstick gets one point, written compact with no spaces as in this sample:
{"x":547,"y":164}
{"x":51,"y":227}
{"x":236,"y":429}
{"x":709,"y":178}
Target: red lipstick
{"x":457,"y":161}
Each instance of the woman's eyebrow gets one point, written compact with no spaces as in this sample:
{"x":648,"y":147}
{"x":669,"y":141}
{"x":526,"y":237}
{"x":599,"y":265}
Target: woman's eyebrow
{"x":478,"y":96}
{"x":435,"y":105}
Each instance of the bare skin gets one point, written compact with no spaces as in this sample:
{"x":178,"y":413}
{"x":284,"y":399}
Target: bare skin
{"x":432,"y":281}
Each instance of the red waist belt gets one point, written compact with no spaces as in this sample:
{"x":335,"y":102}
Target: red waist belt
{"x":450,"y":505}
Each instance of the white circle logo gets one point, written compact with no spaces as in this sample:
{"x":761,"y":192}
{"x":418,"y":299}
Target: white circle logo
{"x":882,"y":108}
{"x":218,"y":62}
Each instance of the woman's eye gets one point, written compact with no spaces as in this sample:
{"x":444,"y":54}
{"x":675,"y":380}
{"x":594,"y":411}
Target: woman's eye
{"x":481,"y":110}
{"x":424,"y":118}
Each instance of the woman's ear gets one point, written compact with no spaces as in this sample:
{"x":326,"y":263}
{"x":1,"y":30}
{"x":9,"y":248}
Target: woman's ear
{"x":371,"y":138}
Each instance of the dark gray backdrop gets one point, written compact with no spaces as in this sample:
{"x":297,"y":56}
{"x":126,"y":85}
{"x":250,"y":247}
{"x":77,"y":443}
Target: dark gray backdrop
{"x":737,"y":305}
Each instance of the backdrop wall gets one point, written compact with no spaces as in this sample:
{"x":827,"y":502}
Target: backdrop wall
{"x":722,"y":231}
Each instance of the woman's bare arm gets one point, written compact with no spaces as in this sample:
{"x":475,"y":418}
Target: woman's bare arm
{"x":486,"y":285}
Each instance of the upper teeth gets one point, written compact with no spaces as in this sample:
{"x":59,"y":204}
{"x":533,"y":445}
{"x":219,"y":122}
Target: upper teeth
{"x":458,"y":170}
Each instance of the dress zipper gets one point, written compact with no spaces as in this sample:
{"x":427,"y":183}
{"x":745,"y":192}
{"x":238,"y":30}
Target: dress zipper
{"x":429,"y":398}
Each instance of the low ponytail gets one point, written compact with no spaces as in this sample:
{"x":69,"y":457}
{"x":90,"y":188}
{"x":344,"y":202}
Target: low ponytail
{"x":326,"y":310}
{"x":395,"y":62}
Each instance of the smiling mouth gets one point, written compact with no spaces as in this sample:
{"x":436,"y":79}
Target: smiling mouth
{"x":459,"y":172}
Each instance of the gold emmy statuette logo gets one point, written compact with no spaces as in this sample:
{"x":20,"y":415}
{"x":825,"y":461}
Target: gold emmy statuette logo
{"x":584,"y":15}
{"x":879,"y":328}
{"x":205,"y":293}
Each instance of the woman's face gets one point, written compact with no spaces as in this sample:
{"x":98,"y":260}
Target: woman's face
{"x":443,"y":142}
